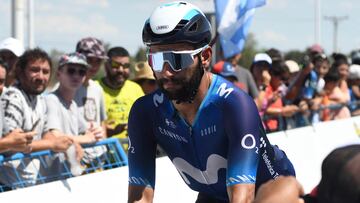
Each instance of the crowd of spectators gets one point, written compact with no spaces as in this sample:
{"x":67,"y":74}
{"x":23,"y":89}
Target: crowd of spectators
{"x":292,"y":94}
{"x":75,"y":112}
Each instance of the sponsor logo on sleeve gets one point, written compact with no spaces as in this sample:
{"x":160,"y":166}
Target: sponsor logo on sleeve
{"x":224,"y":91}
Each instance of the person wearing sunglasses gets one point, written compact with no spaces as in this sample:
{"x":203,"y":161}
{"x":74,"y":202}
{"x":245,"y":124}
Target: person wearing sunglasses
{"x":119,"y":92}
{"x":64,"y":117}
{"x":210,"y":130}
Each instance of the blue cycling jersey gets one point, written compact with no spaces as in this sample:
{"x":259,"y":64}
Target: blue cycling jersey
{"x":225,"y":145}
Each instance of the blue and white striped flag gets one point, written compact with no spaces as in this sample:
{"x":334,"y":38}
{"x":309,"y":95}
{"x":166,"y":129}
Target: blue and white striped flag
{"x":233,"y":18}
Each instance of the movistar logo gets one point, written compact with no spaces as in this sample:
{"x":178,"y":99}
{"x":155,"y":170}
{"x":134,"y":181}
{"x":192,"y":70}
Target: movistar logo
{"x":224,"y":91}
{"x":158,"y":99}
{"x":209,"y":176}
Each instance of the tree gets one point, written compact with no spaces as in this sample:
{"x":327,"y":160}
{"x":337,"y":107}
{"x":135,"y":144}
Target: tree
{"x":295,"y":55}
{"x":140,"y":55}
{"x":249,"y":51}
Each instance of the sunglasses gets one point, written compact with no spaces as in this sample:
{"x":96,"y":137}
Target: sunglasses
{"x":178,"y":60}
{"x":116,"y":65}
{"x":72,"y":71}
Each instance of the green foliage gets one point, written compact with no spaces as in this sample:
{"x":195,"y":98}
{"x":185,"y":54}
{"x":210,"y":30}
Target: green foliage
{"x":295,"y":55}
{"x":140,"y":54}
{"x":249,"y":51}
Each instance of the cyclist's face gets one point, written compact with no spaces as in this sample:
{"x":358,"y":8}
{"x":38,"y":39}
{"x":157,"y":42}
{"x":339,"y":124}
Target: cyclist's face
{"x":176,"y":84}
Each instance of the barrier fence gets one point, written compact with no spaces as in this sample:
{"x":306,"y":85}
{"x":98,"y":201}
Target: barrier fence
{"x":310,"y":117}
{"x":113,"y":157}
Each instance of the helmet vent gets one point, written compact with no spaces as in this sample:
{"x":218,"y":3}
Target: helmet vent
{"x":193,"y":28}
{"x":181,"y":24}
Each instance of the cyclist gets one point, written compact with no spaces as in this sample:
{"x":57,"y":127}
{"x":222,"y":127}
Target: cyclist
{"x":210,"y":129}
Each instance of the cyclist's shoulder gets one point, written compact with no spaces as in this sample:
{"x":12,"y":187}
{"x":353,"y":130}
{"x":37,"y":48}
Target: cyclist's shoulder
{"x":151,"y":101}
{"x":226,"y":93}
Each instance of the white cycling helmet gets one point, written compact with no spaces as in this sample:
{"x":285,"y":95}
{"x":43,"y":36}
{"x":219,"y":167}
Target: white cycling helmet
{"x":177,"y":22}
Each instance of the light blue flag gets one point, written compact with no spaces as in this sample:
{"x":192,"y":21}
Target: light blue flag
{"x":233,"y":18}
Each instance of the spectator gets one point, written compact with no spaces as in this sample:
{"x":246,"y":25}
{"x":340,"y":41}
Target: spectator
{"x":3,"y":68}
{"x":340,"y":182}
{"x":275,"y":54}
{"x":89,"y":97}
{"x":331,"y":99}
{"x":25,"y":109}
{"x":244,"y":79}
{"x":294,"y":69}
{"x":275,"y":109}
{"x":355,"y":57}
{"x":354,"y":89}
{"x":64,"y":118}
{"x":16,"y":140}
{"x":226,"y":70}
{"x":144,"y":76}
{"x":342,"y":66}
{"x":10,"y":50}
{"x":314,"y":50}
{"x":315,"y":82}
{"x":260,"y":70}
{"x":119,"y":92}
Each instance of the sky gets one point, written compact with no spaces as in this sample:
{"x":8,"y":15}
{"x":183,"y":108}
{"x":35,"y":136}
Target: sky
{"x":282,"y":24}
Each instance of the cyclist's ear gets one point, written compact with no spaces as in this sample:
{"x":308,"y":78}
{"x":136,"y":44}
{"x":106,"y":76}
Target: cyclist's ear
{"x":206,"y":56}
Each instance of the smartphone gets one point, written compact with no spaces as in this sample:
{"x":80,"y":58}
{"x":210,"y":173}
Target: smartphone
{"x":35,"y":124}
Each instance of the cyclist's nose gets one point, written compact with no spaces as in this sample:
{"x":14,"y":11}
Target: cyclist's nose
{"x":167,"y":70}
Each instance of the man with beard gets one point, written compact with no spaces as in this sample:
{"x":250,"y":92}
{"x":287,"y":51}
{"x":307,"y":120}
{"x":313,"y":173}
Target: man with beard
{"x":25,"y":109}
{"x":210,"y":129}
{"x":119,"y":92}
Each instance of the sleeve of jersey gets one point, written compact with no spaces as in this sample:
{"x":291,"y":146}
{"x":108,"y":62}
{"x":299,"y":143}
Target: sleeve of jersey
{"x":242,"y":128}
{"x":13,"y":111}
{"x":142,"y":146}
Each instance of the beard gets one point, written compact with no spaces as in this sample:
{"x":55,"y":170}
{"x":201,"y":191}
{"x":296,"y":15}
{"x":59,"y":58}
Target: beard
{"x":189,"y":87}
{"x":116,"y":79}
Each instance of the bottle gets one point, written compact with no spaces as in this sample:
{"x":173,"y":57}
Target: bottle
{"x":75,"y":166}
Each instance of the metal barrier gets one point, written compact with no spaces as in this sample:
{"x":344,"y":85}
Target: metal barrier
{"x":282,"y":121}
{"x":114,"y":157}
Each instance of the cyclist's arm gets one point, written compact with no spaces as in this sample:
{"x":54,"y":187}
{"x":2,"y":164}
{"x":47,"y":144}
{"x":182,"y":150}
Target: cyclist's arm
{"x":242,"y":128}
{"x":141,"y":194}
{"x":241,"y":193}
{"x":141,"y":154}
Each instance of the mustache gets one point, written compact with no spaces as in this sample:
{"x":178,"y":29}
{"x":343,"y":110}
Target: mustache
{"x":173,"y":80}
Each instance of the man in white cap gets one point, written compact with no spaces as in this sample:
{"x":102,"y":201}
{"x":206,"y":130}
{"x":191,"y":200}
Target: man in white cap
{"x":10,"y":50}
